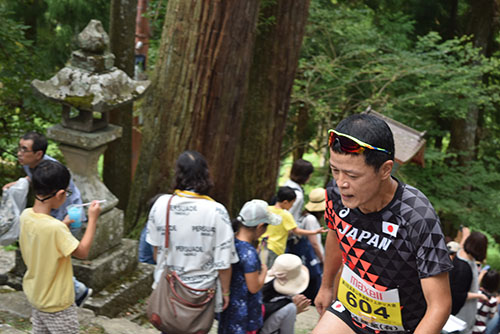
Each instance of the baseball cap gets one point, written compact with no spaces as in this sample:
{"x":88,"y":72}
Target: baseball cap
{"x":453,"y":246}
{"x":255,"y":212}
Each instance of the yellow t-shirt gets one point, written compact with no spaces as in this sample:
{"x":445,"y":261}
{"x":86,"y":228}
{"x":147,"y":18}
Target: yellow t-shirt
{"x":278,"y":234}
{"x":46,"y":246}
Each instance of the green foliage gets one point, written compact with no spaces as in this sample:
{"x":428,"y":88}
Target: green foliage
{"x":20,"y":110}
{"x":466,"y":196}
{"x":36,"y":39}
{"x":156,"y":12}
{"x":356,"y":56}
{"x":493,"y":258}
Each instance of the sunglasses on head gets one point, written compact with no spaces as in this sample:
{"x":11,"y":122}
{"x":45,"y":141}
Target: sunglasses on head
{"x":349,"y":144}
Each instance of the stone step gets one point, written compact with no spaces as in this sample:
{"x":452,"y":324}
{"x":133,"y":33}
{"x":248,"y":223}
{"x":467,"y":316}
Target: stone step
{"x":124,"y":292}
{"x":7,"y":329}
{"x":15,"y":313}
{"x":107,"y":268}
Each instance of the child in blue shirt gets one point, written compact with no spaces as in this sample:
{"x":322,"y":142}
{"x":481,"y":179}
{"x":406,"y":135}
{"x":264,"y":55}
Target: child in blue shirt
{"x":244,"y":313}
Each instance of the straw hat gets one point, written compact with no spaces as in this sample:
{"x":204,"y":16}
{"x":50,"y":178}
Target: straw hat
{"x":255,"y":212}
{"x":316,"y":200}
{"x":291,"y":276}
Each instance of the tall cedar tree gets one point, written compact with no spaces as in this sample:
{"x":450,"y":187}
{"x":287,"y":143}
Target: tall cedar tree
{"x":117,"y":158}
{"x":275,"y":60}
{"x":197,"y":96}
{"x":483,"y":24}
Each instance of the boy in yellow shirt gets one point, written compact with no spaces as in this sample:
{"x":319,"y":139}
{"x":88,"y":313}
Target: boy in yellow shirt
{"x":46,"y":246}
{"x":277,"y":236}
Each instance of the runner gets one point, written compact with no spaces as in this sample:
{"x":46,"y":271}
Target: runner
{"x":386,"y":238}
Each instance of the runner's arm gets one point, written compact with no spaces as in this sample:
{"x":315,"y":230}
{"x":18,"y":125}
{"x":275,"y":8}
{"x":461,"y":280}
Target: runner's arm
{"x":331,"y":266}
{"x":438,"y":297}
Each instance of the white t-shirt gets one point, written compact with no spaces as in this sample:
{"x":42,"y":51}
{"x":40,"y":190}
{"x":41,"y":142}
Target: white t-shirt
{"x":201,"y":240}
{"x":309,"y":222}
{"x":296,"y":209}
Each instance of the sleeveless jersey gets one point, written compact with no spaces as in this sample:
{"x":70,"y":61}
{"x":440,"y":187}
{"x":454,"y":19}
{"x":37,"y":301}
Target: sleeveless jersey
{"x":391,"y":249}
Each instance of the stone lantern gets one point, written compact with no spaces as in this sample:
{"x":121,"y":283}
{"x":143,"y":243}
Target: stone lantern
{"x":90,"y":83}
{"x":88,"y":88}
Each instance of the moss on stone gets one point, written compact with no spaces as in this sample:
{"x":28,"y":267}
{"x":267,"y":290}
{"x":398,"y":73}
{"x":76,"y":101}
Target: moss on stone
{"x":80,"y":102}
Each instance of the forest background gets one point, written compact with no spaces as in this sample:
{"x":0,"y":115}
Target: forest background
{"x":296,"y":69}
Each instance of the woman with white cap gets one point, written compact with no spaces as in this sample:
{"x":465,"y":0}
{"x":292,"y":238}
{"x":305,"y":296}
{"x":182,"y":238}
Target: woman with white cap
{"x":284,"y":282}
{"x":244,"y":313}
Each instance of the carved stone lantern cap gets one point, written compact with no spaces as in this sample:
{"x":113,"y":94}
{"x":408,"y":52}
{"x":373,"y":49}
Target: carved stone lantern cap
{"x":93,"y":38}
{"x":90,"y":82}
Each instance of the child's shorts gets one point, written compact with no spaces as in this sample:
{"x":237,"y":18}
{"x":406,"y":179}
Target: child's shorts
{"x":62,"y":322}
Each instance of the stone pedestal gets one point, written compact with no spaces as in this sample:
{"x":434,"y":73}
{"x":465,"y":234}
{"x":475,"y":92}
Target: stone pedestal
{"x":111,"y":268}
{"x":94,"y":87}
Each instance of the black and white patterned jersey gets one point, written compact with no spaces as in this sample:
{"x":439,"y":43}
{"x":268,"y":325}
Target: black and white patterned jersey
{"x":393,"y":248}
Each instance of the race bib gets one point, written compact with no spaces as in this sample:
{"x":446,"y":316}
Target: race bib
{"x":378,"y":310}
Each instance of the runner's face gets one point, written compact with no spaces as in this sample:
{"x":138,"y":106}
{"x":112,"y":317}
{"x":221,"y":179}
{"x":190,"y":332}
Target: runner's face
{"x":358,"y":183}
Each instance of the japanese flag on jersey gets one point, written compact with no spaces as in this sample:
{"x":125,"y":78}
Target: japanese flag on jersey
{"x":389,"y":228}
{"x":337,"y":306}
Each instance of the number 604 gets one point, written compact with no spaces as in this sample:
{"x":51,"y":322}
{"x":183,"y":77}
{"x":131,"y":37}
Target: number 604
{"x":365,"y":306}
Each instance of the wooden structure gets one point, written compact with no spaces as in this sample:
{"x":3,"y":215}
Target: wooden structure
{"x":409,"y":143}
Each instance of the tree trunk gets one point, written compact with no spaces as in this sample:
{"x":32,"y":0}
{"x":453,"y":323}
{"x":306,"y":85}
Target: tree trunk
{"x":301,"y":132}
{"x":450,"y":30}
{"x":483,"y":25}
{"x":117,"y":158}
{"x":197,"y":96}
{"x":276,"y":55}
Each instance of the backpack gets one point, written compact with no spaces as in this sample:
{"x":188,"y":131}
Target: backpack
{"x":12,"y":204}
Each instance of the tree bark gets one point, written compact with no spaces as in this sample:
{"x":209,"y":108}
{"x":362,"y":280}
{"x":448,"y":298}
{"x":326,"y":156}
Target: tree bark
{"x":276,"y":55}
{"x":117,"y":158}
{"x":301,"y":132}
{"x":483,"y":25}
{"x":197,"y":96}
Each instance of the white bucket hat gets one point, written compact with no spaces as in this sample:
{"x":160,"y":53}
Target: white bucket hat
{"x":291,"y":276}
{"x":255,"y":212}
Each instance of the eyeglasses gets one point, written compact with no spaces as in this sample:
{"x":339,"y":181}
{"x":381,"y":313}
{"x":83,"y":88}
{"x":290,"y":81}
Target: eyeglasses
{"x":68,"y":194}
{"x":350,"y":144}
{"x":23,"y":149}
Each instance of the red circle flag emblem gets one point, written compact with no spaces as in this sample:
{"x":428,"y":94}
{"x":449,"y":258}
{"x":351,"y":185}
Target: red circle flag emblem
{"x":337,"y":306}
{"x":390,"y":228}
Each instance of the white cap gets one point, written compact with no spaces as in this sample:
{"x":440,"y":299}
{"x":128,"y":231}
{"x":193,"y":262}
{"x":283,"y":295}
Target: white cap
{"x":255,"y":212}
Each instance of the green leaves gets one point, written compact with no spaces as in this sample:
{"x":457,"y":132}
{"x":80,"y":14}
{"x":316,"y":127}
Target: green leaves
{"x":354,"y":57}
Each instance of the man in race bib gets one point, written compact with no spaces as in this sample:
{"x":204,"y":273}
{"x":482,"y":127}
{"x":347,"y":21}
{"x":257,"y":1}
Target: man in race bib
{"x":386,"y":262}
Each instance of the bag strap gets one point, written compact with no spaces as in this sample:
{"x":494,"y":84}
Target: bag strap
{"x":167,"y":227}
{"x":172,"y":277}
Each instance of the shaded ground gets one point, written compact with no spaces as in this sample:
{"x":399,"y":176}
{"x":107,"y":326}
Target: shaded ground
{"x":15,"y":313}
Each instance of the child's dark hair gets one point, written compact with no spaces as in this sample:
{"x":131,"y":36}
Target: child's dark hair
{"x":50,"y":176}
{"x":285,"y":194}
{"x":491,"y":281}
{"x":237,"y":224}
